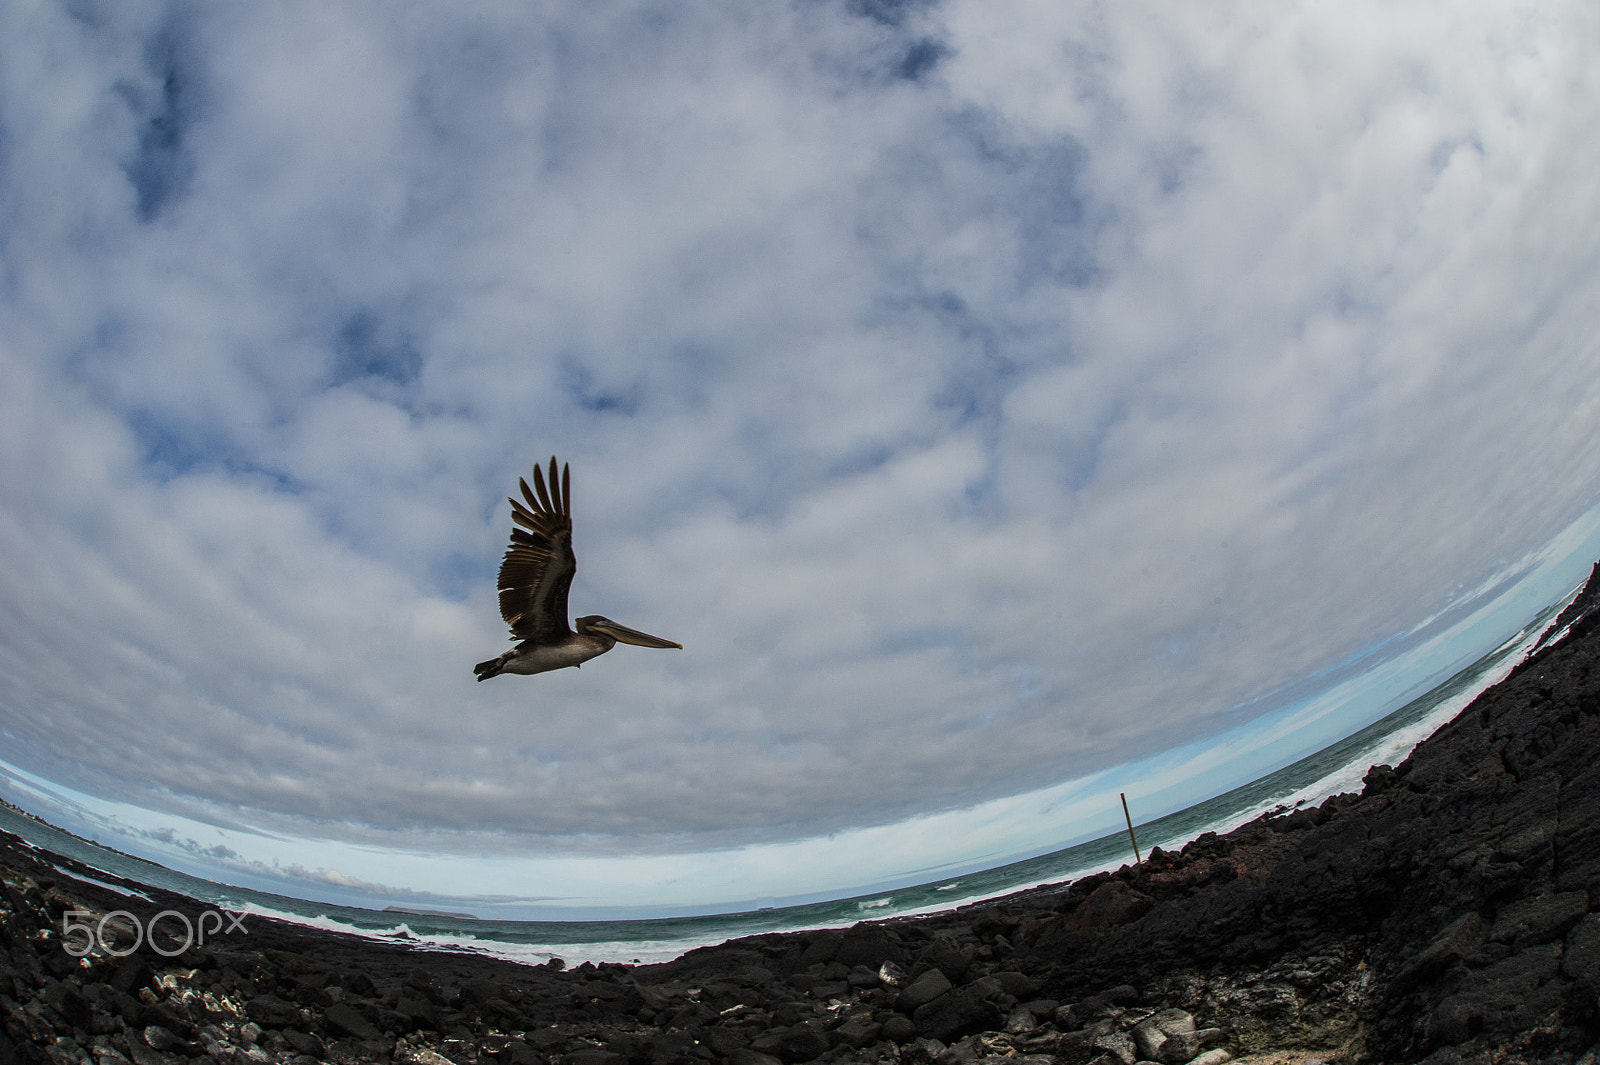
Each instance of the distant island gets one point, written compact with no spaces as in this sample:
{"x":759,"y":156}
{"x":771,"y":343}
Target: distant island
{"x":429,"y":913}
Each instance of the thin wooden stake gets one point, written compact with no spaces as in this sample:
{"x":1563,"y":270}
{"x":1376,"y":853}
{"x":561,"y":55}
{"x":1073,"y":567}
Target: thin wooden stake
{"x":1129,"y":817}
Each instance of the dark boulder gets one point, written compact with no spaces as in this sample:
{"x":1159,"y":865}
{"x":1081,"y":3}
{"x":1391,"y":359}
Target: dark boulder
{"x":868,"y":945}
{"x":945,"y":954}
{"x":924,"y":989}
{"x":270,"y":1011}
{"x":1510,"y":996}
{"x":343,"y":1019}
{"x":970,"y":1008}
{"x":802,"y":1043}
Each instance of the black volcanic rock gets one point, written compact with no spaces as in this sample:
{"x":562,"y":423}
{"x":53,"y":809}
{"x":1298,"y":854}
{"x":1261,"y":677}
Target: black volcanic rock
{"x":972,"y":1007}
{"x":343,"y":1019}
{"x":1579,"y":612}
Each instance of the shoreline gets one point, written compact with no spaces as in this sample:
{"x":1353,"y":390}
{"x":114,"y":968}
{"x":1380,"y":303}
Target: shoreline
{"x":1449,"y":912}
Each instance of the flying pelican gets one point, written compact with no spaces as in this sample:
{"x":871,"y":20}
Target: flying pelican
{"x":534,"y":578}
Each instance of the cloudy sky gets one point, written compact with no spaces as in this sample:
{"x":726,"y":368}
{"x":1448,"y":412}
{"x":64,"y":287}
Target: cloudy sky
{"x":987,"y":395}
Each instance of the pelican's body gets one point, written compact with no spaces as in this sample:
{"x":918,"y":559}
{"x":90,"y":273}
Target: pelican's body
{"x":535,"y":576}
{"x":533,"y":659}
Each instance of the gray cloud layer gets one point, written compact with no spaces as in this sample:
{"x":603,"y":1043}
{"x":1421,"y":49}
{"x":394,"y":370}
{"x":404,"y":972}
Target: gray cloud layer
{"x":982,"y":393}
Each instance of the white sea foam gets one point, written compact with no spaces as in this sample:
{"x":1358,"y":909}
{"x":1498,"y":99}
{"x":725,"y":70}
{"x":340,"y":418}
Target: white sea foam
{"x":118,"y":888}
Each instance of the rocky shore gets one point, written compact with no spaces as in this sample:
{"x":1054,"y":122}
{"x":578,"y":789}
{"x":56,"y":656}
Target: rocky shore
{"x":1448,"y":913}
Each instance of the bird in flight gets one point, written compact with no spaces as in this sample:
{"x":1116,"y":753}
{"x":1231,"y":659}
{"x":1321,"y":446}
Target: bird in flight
{"x":534,"y":579}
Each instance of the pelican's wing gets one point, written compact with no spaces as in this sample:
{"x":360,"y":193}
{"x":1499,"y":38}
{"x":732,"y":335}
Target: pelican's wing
{"x":537,"y":570}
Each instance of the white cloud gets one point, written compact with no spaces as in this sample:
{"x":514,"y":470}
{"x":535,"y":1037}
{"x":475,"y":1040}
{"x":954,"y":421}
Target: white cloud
{"x":973,"y":431}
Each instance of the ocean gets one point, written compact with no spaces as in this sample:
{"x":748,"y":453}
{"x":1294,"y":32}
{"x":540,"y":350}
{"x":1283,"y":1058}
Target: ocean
{"x":1334,"y":769}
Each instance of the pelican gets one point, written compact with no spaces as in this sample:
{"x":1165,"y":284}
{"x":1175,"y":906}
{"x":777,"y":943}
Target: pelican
{"x":535,"y":576}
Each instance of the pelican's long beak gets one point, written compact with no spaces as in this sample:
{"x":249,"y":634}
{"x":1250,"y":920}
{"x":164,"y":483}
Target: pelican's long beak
{"x":623,"y":634}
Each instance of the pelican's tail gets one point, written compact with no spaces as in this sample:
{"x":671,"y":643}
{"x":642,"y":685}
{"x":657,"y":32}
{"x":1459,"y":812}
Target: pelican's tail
{"x":492,"y":668}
